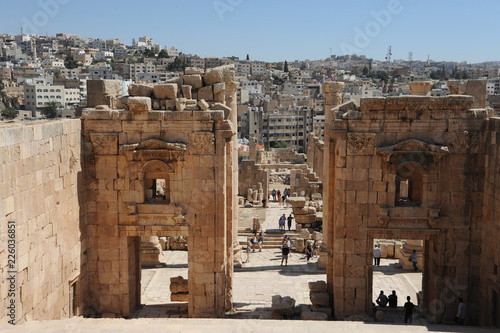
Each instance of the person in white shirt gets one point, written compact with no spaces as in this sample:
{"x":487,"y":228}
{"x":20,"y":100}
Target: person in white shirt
{"x":376,"y":255}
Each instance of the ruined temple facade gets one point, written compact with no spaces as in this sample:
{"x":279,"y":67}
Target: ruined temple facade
{"x":416,"y":168}
{"x":164,"y":164}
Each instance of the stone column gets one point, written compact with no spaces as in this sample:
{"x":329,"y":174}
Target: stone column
{"x":421,"y":88}
{"x":151,"y":255}
{"x":252,"y":149}
{"x":333,"y":98}
{"x":233,"y":247}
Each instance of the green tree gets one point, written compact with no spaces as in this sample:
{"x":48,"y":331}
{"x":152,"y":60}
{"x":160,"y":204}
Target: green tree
{"x":285,"y":67}
{"x":133,"y":41}
{"x":278,"y":144}
{"x":50,"y":110}
{"x":70,"y":63}
{"x":178,"y":65}
{"x":365,"y":71}
{"x":465,"y":75}
{"x":248,"y":57}
{"x":163,"y":54}
{"x":434,"y":75}
{"x":9,"y":113}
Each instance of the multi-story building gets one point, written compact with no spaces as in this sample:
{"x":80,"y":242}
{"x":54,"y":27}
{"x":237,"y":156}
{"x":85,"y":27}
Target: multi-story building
{"x":244,"y":68}
{"x":289,"y":127}
{"x":130,"y":71}
{"x":102,"y":72}
{"x":258,"y":69}
{"x":37,"y":96}
{"x":212,"y":62}
{"x":84,"y":58}
{"x":104,"y":55}
{"x":98,"y":44}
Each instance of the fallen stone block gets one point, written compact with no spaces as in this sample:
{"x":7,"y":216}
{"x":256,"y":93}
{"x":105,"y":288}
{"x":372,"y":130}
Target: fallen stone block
{"x":219,"y":74}
{"x":317,"y":286}
{"x":319,"y":298}
{"x":178,"y":285}
{"x":313,"y":316}
{"x":139,"y":105}
{"x":166,"y":91}
{"x":203,"y":105}
{"x":140,"y":90}
{"x":179,"y":297}
{"x":194,"y":81}
{"x":187,"y":91}
{"x":283,"y":305}
{"x":317,"y":236}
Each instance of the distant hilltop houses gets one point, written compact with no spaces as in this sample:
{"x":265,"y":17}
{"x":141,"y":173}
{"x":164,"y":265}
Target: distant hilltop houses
{"x":279,"y":103}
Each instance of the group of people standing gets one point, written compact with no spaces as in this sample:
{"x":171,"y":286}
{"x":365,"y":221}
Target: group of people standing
{"x":256,"y":239}
{"x":281,"y":196}
{"x":392,"y":300}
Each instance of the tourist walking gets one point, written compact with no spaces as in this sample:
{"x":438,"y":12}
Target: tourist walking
{"x":282,"y":222}
{"x":460,"y":317}
{"x":408,"y":310}
{"x":254,"y":241}
{"x":315,"y":249}
{"x":285,"y":250}
{"x":376,"y":255}
{"x":414,"y":260}
{"x":289,"y":219}
{"x":309,"y":251}
{"x":274,"y":194}
{"x":261,"y":240}
{"x":279,"y":200}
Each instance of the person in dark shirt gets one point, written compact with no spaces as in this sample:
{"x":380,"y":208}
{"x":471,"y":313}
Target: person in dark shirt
{"x":382,"y":299}
{"x":393,"y":299}
{"x":408,"y":310}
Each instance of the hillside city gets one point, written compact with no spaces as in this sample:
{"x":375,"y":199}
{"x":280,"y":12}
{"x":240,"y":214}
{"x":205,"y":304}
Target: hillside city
{"x":280,"y":104}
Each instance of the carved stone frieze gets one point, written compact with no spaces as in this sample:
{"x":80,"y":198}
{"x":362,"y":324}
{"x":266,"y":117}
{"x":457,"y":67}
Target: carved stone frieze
{"x":202,"y":144}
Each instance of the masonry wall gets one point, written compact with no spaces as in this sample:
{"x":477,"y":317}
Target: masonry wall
{"x":40,"y":180}
{"x":440,"y":141}
{"x":490,"y":249}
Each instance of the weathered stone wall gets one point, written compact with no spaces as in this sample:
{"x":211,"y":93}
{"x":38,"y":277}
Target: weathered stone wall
{"x":280,"y":155}
{"x":164,"y":135}
{"x":490,"y":247}
{"x":250,"y":175}
{"x":435,"y":144}
{"x":315,"y":153}
{"x":39,"y":190}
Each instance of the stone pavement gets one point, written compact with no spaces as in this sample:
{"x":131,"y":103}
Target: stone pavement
{"x":82,"y":325}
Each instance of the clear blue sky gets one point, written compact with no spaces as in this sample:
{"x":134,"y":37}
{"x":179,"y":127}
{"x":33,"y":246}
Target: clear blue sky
{"x":453,"y":30}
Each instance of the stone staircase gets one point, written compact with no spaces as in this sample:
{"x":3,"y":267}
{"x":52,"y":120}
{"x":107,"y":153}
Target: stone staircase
{"x":272,"y":239}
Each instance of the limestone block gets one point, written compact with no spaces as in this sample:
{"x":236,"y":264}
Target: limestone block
{"x":180,"y":104}
{"x":322,"y":260}
{"x":297,"y":202}
{"x":164,"y":91}
{"x":299,"y":245}
{"x":383,"y":250}
{"x":317,"y":236}
{"x":193,"y":70}
{"x":457,"y":87}
{"x":140,"y":90}
{"x":186,"y":91}
{"x":317,"y":286}
{"x":139,"y":105}
{"x":323,"y":309}
{"x":179,"y":297}
{"x":320,"y":298}
{"x":194,"y":81}
{"x":178,"y":285}
{"x":304,"y":234}
{"x":372,"y":104}
{"x":218,"y":106}
{"x":477,"y":89}
{"x":170,"y":104}
{"x":219,"y":92}
{"x":283,"y":305}
{"x":219,"y":74}
{"x":313,"y":315}
{"x":203,"y":105}
{"x":99,"y":91}
{"x":156,"y":104}
{"x":206,"y":93}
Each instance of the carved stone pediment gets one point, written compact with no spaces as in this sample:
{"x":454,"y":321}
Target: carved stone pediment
{"x":154,"y":149}
{"x":413,"y":147}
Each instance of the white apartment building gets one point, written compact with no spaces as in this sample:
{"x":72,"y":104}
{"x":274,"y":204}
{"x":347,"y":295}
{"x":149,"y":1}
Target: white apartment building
{"x":98,"y":44}
{"x":172,"y":51}
{"x":244,"y":68}
{"x":53,"y":63}
{"x":131,"y":70}
{"x":37,"y":96}
{"x":104,"y":55}
{"x":258,"y":68}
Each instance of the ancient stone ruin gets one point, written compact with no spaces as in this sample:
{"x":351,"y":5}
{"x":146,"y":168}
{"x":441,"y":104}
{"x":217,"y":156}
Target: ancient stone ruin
{"x":416,"y":168}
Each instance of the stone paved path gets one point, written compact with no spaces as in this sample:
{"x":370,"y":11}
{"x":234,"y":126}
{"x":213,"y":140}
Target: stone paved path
{"x":82,"y":325}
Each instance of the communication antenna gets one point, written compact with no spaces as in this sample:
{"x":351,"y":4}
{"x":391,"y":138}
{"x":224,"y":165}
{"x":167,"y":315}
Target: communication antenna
{"x":388,"y":57}
{"x":410,"y":60}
